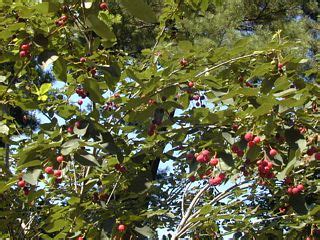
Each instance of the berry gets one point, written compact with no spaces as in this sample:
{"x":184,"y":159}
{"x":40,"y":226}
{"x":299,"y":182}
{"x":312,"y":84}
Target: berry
{"x":23,"y":54}
{"x":25,"y":47}
{"x":256,"y":140}
{"x":83,"y":59}
{"x":22,"y":183}
{"x":58,"y":180}
{"x":103,"y":6}
{"x":80,"y":238}
{"x":287,"y":180}
{"x":190,"y":156}
{"x":273,"y":152}
{"x":121,"y":228}
{"x":77,"y":124}
{"x":190,"y":84}
{"x":59,"y":23}
{"x":192,"y":178}
{"x":289,"y":190}
{"x":57,"y":173}
{"x":248,"y":136}
{"x":235,"y":127}
{"x":214,"y":162}
{"x":200,"y":158}
{"x":317,"y":156}
{"x":280,"y":66}
{"x":49,"y":170}
{"x":184,"y":62}
{"x":221,"y":176}
{"x":251,"y":144}
{"x":93,"y":72}
{"x":295,"y":191}
{"x":80,"y":101}
{"x":60,"y":159}
{"x":300,"y":187}
{"x":70,"y":130}
{"x":214,"y":181}
{"x":240,"y":153}
{"x":205,"y":152}
{"x":26,"y":191}
{"x":196,"y":97}
{"x":63,"y":18}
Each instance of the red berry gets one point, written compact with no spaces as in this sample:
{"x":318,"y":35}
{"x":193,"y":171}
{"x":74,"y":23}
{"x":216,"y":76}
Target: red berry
{"x":205,"y":153}
{"x":57,"y":173}
{"x":80,"y":101}
{"x":83,"y":59}
{"x":190,"y":156}
{"x":60,"y":159}
{"x":93,"y":72}
{"x":289,"y":190}
{"x":300,"y":187}
{"x":196,"y":97}
{"x":240,"y":153}
{"x":49,"y":170}
{"x":317,"y":156}
{"x":58,"y":180}
{"x":80,"y":238}
{"x":77,"y":124}
{"x":273,"y":152}
{"x":192,"y":178}
{"x":63,"y":18}
{"x":251,"y":144}
{"x":221,"y":176}
{"x":214,"y":181}
{"x":295,"y":191}
{"x":103,"y":6}
{"x":70,"y":130}
{"x":280,"y":66}
{"x":23,"y":54}
{"x":235,"y":127}
{"x":26,"y":191}
{"x":214,"y":162}
{"x":121,"y":228}
{"x":248,"y":136}
{"x":184,"y":62}
{"x":59,"y":23}
{"x":256,"y":140}
{"x":22,"y":183}
{"x":190,"y":84}
{"x":200,"y":158}
{"x":235,"y":148}
{"x":25,"y":47}
{"x":287,"y":180}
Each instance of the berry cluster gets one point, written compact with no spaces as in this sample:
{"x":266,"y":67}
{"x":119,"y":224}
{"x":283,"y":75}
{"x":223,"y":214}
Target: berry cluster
{"x":81,"y":92}
{"x":217,"y":180}
{"x":109,"y":106}
{"x":295,"y":189}
{"x":251,"y":139}
{"x":61,"y":21}
{"x":24,"y":50}
{"x":22,"y":184}
{"x":264,"y":168}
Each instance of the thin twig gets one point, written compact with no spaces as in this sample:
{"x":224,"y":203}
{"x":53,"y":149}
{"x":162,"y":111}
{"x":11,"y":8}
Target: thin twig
{"x":114,"y":188}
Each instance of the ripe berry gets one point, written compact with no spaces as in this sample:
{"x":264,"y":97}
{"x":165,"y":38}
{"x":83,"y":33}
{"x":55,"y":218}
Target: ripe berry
{"x":200,"y":158}
{"x":289,"y":190}
{"x":80,"y":102}
{"x":103,"y":6}
{"x":57,"y":173}
{"x":60,"y":159}
{"x":83,"y":59}
{"x":280,"y":66}
{"x":93,"y":72}
{"x":317,"y":156}
{"x":295,"y":191}
{"x":77,"y":124}
{"x":26,"y":191}
{"x":273,"y":152}
{"x":70,"y":130}
{"x":221,"y":176}
{"x":190,"y":84}
{"x":63,"y":18}
{"x":49,"y":170}
{"x":214,"y":181}
{"x":23,"y":54}
{"x":256,"y":140}
{"x":25,"y":47}
{"x":121,"y":228}
{"x":196,"y":97}
{"x":248,"y":136}
{"x":300,"y":187}
{"x":22,"y":183}
{"x":80,"y":238}
{"x":190,"y":156}
{"x":235,"y":127}
{"x":184,"y":62}
{"x":192,"y":178}
{"x":59,"y":23}
{"x":214,"y":162}
{"x":240,"y":153}
{"x":251,"y":144}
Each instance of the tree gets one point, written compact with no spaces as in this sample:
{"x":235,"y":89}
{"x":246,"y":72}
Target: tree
{"x":118,"y":87}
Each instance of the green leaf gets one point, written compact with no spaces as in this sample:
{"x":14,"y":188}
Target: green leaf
{"x":298,"y":204}
{"x":45,"y":88}
{"x":145,"y":231}
{"x":140,"y":9}
{"x":205,"y":209}
{"x":287,"y":169}
{"x":228,"y":137}
{"x":92,"y":86}
{"x":99,"y":27}
{"x":70,"y":146}
{"x":29,"y":164}
{"x":80,"y":131}
{"x":86,"y":159}
{"x":60,"y":69}
{"x":32,"y":177}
